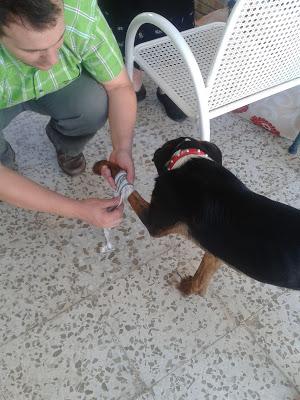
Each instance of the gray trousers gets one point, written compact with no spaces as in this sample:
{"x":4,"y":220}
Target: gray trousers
{"x":77,"y":111}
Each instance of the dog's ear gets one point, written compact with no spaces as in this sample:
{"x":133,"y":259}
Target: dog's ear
{"x":212,"y":151}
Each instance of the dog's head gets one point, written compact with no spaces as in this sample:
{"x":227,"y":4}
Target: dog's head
{"x":163,"y":155}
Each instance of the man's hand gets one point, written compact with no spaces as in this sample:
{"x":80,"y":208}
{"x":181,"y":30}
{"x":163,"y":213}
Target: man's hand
{"x":123,"y":158}
{"x":101,"y":213}
{"x":22,"y":192}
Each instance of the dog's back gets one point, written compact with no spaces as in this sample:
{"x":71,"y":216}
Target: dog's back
{"x":254,"y":234}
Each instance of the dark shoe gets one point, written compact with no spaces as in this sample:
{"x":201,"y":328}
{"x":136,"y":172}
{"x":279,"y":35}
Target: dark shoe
{"x":296,"y":144}
{"x":172,"y":110}
{"x":141,"y":94}
{"x":71,"y":165}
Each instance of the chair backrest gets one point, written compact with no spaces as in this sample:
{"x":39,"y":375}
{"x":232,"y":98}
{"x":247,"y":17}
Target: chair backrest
{"x":260,"y":49}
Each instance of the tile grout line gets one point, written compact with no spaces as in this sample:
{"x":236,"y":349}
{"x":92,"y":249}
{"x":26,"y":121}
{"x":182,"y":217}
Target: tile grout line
{"x":205,"y":348}
{"x":73,"y":304}
{"x":252,"y":314}
{"x":180,"y":364}
{"x":134,"y":371}
{"x":241,"y":323}
{"x":271,"y":359}
{"x":2,"y":397}
{"x":52,"y":318}
{"x":82,"y":299}
{"x":148,"y":391}
{"x":201,"y":350}
{"x":252,"y":334}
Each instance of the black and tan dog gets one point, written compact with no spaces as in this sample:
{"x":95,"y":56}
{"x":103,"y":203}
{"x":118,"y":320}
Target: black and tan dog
{"x":196,"y":196}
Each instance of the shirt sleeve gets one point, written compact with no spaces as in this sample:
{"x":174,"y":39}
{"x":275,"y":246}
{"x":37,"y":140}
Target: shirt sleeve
{"x":102,"y":57}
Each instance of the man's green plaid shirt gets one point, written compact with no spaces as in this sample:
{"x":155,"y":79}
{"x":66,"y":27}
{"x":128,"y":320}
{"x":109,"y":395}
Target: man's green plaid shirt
{"x":88,"y":44}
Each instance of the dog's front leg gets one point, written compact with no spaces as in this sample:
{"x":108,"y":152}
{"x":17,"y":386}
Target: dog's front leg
{"x":154,"y":218}
{"x":199,"y":282}
{"x":141,"y":207}
{"x":151,"y":214}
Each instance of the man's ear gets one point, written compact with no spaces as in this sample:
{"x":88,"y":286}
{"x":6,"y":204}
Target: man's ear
{"x":212,"y":151}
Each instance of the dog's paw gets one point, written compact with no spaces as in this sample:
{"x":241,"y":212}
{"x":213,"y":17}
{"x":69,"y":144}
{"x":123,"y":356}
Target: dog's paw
{"x":99,"y":165}
{"x":187,"y":286}
{"x":114,"y":168}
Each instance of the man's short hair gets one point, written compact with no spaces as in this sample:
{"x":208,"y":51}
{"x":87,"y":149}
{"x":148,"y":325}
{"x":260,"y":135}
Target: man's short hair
{"x":39,"y":14}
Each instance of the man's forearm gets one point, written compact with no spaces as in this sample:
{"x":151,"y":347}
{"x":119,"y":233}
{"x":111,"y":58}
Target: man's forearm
{"x":122,"y":115}
{"x":22,"y":192}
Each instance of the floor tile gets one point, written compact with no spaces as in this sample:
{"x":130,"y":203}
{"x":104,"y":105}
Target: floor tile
{"x":145,"y":396}
{"x":74,"y":356}
{"x":2,"y":397}
{"x":288,"y":194}
{"x":26,"y":134}
{"x":233,"y":368}
{"x":277,"y":329}
{"x":259,"y":159}
{"x":261,"y":176}
{"x":156,"y":325}
{"x":46,"y":271}
{"x":35,"y":286}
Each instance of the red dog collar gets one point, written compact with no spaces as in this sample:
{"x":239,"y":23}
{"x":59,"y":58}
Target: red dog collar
{"x":180,"y":157}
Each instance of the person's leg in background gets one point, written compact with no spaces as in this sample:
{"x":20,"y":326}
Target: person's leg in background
{"x":296,"y":144}
{"x":77,"y":112}
{"x":7,"y":154}
{"x":149,"y":32}
{"x":119,"y":17}
{"x":119,"y":29}
{"x":182,"y":22}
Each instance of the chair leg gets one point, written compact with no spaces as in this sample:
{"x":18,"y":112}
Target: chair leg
{"x":203,"y":127}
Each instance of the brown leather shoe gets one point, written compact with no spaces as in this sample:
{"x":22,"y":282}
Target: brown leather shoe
{"x":71,"y":165}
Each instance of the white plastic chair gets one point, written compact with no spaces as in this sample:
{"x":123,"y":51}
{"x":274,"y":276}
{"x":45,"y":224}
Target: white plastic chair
{"x":213,"y":69}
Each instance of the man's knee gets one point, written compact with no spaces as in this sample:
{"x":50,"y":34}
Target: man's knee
{"x":80,"y":108}
{"x":94,"y":112}
{"x":90,"y":115}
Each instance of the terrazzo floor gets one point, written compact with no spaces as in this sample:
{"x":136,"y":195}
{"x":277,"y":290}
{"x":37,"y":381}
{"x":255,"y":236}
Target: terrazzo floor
{"x":79,"y":324}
